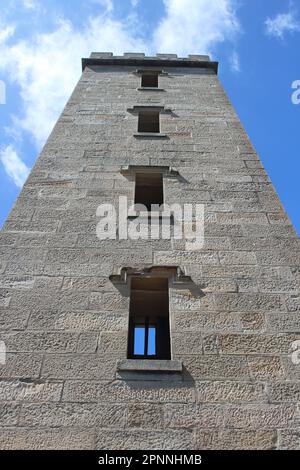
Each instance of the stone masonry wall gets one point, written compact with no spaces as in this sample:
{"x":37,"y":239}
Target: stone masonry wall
{"x":64,"y":323}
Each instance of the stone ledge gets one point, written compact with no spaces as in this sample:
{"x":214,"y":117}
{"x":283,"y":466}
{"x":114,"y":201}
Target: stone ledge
{"x":140,"y":60}
{"x":153,"y":215}
{"x":154,"y":135}
{"x":170,"y":172}
{"x":149,"y":365}
{"x":150,"y":107}
{"x":150,"y":88}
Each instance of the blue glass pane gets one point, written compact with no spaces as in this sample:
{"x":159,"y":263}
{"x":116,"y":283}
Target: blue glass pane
{"x":151,"y":341}
{"x":139,"y":340}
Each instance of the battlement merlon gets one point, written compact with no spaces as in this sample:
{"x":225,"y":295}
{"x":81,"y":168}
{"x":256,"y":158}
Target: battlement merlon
{"x":140,"y":60}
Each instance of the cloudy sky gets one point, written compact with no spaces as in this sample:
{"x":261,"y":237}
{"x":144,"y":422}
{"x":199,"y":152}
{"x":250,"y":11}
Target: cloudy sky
{"x":257,"y":43}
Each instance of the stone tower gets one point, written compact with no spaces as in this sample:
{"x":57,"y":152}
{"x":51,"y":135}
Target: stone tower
{"x":217,"y":365}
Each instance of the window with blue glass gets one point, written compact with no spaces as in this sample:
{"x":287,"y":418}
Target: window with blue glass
{"x":149,"y":330}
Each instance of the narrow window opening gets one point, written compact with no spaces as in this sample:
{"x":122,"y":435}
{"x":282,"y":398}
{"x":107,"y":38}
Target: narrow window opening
{"x":148,"y":121}
{"x":149,"y":329}
{"x":149,"y":189}
{"x":149,"y":80}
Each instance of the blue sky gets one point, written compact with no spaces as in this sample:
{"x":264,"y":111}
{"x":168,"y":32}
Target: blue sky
{"x":256,"y":42}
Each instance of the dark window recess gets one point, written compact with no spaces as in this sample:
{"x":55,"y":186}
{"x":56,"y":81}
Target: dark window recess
{"x":149,"y":329}
{"x":149,"y":189}
{"x":150,"y":80}
{"x":148,"y":121}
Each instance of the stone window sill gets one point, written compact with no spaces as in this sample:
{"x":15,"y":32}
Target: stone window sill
{"x":153,"y":135}
{"x":150,"y":365}
{"x":150,"y":214}
{"x":148,"y":88}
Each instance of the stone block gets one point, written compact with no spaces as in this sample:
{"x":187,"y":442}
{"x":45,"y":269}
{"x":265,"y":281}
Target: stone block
{"x":74,"y":438}
{"x":72,"y":414}
{"x":230,"y":392}
{"x":145,"y":416}
{"x":255,"y":344}
{"x":9,"y":413}
{"x":151,"y":440}
{"x":85,"y":321}
{"x":229,"y":439}
{"x":32,"y":341}
{"x":212,"y":367}
{"x":261,"y":416}
{"x":34,"y":390}
{"x":21,"y":365}
{"x":193,"y":415}
{"x":266,"y":367}
{"x":250,"y":302}
{"x":81,"y":366}
{"x":289,"y":439}
{"x":129,"y":391}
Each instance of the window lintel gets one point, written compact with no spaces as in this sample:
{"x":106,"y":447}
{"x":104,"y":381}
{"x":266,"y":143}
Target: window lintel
{"x":131,"y":170}
{"x":175,"y":274}
{"x":135,"y":110}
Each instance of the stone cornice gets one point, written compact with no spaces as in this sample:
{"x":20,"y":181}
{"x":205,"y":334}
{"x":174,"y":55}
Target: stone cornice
{"x":140,"y":60}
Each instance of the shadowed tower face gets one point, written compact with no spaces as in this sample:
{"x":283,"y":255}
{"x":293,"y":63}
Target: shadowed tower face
{"x":142,"y":343}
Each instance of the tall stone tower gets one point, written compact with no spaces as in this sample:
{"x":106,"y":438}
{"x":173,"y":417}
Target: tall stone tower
{"x":144,"y":344}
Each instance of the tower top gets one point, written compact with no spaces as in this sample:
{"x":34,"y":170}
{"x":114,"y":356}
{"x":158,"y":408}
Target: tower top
{"x":140,"y":59}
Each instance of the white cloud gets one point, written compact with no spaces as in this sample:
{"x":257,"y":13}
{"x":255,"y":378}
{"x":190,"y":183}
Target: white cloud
{"x":14,"y":166}
{"x":107,"y":4}
{"x":281,"y":24}
{"x":30,"y":4}
{"x":47,"y":67}
{"x":235,"y":62}
{"x":134,"y":3}
{"x":195,"y":26}
{"x":6,"y":33}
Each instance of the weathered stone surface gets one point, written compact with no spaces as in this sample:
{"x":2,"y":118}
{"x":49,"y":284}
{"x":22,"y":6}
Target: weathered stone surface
{"x":187,"y":343}
{"x":87,"y":342}
{"x":289,"y":439}
{"x":35,"y":390}
{"x":235,"y":440}
{"x":145,"y":416}
{"x":17,"y":282}
{"x":216,"y":367}
{"x":88,"y":366}
{"x":11,"y":319}
{"x":279,"y":392}
{"x":186,"y":300}
{"x":230,"y":392}
{"x":250,"y":302}
{"x":202,"y":321}
{"x":72,"y":414}
{"x":115,"y":342}
{"x":252,"y":321}
{"x":266,"y":367}
{"x":9,"y":413}
{"x":87,"y":320}
{"x":152,"y":440}
{"x":41,"y":341}
{"x":21,"y":365}
{"x":129,"y":391}
{"x":191,"y":416}
{"x":74,"y":438}
{"x":261,"y":416}
{"x":64,"y":320}
{"x":84,"y":283}
{"x":255,"y":344}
